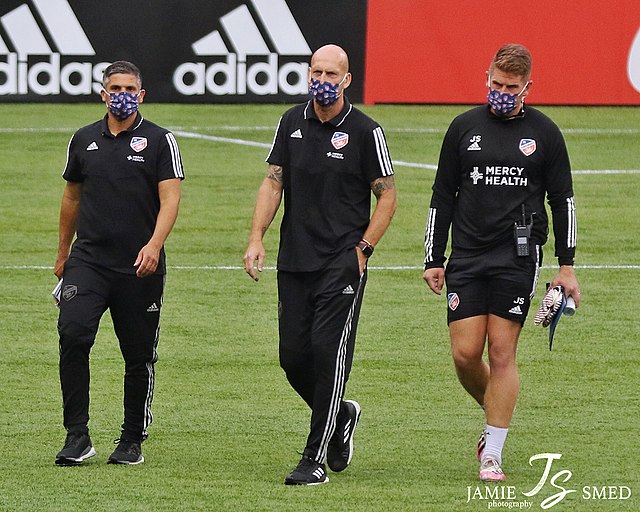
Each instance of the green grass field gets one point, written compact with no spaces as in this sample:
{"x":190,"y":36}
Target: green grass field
{"x":228,"y":426}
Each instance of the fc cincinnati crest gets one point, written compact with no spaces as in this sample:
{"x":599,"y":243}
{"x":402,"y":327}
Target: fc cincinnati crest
{"x":339,"y":140}
{"x":138,"y":143}
{"x":527,"y":146}
{"x":454,"y":301}
{"x":69,"y":292}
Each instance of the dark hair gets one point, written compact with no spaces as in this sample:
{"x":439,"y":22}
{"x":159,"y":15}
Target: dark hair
{"x":123,"y":67}
{"x":514,"y":59}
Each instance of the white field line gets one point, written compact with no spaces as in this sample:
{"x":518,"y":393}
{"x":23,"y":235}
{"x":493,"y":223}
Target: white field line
{"x":398,"y":163}
{"x":193,"y":135}
{"x":238,"y":267}
{"x":579,"y":131}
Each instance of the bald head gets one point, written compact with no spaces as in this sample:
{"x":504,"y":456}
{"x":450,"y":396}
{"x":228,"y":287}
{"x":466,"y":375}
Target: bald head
{"x":332,"y":56}
{"x":328,"y":78}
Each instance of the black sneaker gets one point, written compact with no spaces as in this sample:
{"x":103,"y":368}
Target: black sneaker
{"x":77,"y":448}
{"x":340,"y":450}
{"x":307,"y":472}
{"x":127,"y":452}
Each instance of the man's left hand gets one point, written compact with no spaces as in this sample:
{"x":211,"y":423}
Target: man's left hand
{"x":147,"y":260}
{"x":362,"y":260}
{"x":566,"y":278}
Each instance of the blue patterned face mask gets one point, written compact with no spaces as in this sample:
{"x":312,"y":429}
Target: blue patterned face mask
{"x":122,"y":104}
{"x":325,"y":93}
{"x":503,"y":103}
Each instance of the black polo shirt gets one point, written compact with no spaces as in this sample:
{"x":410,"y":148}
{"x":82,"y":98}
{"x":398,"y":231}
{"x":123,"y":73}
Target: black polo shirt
{"x":119,"y":204}
{"x":327,"y":173}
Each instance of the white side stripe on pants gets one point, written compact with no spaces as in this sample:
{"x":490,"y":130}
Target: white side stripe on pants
{"x":338,"y":379}
{"x":148,"y":416}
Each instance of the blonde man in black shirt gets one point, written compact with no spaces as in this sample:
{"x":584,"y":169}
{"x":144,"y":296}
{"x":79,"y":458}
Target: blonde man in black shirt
{"x":496,"y":165}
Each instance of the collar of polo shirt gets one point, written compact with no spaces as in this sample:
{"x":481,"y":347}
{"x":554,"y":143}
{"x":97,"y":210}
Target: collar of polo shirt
{"x":335,"y":121}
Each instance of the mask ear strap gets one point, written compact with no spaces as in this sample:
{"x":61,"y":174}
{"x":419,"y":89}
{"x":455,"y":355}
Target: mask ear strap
{"x":108,"y":100}
{"x":523,"y":89}
{"x":338,"y":87}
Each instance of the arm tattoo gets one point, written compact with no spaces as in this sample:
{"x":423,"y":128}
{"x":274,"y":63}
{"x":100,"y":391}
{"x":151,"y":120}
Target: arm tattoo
{"x":382,"y":184}
{"x":275,"y":173}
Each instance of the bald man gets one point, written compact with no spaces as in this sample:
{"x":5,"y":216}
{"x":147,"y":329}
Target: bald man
{"x":327,"y":158}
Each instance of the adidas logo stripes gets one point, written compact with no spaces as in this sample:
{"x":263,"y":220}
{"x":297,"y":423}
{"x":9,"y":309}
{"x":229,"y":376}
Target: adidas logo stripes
{"x":516,"y":310}
{"x":52,"y":30}
{"x":318,"y":473}
{"x":346,"y":432}
{"x":234,"y":75}
{"x":245,"y":36}
{"x":348,"y":290}
{"x":61,"y":23}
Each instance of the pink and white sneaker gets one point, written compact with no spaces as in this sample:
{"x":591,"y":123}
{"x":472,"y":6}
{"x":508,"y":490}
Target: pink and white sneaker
{"x":490,"y":471}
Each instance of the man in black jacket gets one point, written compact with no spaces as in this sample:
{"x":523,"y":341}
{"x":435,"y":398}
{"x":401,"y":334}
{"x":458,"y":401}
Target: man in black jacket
{"x":496,"y":164}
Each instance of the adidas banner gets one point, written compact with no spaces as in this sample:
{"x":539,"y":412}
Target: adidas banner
{"x":257,"y":51}
{"x":193,"y":51}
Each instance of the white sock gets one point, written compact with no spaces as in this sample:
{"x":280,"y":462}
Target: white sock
{"x":495,"y":438}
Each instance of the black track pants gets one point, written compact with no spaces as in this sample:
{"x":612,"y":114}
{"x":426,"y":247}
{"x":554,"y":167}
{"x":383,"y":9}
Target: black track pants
{"x":318,"y":318}
{"x":134,"y":304}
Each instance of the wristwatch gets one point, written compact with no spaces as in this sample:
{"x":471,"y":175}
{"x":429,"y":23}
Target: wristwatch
{"x":366,"y":248}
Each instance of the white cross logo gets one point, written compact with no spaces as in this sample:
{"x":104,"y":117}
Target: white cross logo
{"x":475,"y":176}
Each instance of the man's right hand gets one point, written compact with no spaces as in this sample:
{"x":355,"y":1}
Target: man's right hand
{"x":58,"y":268}
{"x":434,"y":277}
{"x":255,"y":252}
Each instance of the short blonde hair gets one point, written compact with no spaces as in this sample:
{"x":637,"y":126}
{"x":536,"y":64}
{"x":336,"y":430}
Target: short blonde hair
{"x":513,"y":59}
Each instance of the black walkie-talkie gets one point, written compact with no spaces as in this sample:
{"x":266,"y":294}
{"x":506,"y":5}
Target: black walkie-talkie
{"x":522,"y":235}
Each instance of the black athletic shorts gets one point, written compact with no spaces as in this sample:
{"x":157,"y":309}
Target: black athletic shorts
{"x":497,"y":282}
